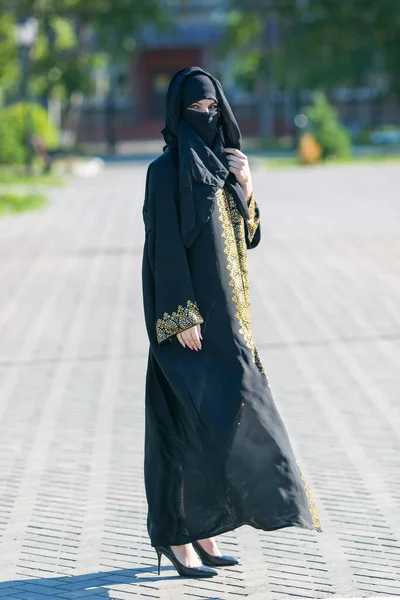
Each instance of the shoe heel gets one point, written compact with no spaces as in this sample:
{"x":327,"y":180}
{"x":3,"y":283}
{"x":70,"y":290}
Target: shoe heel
{"x":202,"y":571}
{"x":159,"y":555}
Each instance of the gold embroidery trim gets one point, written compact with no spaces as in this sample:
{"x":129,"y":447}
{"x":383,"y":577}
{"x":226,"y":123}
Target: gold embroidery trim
{"x":237,"y":265}
{"x":313,"y":509}
{"x":236,"y":253}
{"x":253,"y":221}
{"x":183,"y":318}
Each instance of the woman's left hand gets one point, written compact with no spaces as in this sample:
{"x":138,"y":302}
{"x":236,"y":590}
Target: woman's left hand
{"x":239,"y":166}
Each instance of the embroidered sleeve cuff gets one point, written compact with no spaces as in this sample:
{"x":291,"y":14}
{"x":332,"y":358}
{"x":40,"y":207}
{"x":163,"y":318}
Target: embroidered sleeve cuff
{"x":183,"y":318}
{"x":253,"y":221}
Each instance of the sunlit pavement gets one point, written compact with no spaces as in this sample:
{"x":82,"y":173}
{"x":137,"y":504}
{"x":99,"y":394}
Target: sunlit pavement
{"x":326,"y":319}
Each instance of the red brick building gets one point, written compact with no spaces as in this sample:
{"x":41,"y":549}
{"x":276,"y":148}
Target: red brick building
{"x":138,"y":111}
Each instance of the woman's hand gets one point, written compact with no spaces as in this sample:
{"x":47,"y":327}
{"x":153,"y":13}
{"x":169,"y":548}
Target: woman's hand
{"x":239,"y":166}
{"x":191,"y":337}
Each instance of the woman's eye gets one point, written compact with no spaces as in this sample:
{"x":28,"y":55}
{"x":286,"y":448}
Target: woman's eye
{"x":198,"y":107}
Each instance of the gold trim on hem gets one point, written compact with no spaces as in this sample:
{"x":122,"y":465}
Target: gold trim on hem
{"x":313,"y":509}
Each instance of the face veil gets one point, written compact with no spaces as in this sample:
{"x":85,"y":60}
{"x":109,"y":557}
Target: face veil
{"x":199,"y":140}
{"x":206,"y":125}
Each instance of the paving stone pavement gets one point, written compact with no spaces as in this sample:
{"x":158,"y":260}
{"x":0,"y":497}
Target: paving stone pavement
{"x":325,"y":308}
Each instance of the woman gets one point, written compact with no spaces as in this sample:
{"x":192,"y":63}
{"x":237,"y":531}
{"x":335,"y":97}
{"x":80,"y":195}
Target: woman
{"x":217,"y":455}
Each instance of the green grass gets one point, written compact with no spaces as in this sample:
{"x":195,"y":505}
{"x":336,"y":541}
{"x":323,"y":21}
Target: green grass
{"x":368,"y":159}
{"x":12,"y":175}
{"x":14,"y":203}
{"x":286,"y":162}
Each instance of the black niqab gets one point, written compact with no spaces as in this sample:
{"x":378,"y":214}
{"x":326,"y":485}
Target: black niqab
{"x":203,"y":168}
{"x":206,"y":125}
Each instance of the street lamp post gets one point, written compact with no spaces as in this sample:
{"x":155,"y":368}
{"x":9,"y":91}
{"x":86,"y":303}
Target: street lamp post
{"x":25,"y":35}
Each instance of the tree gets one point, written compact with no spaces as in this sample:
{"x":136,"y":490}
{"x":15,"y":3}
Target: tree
{"x":8,"y":53}
{"x":320,"y":43}
{"x":75,"y":35}
{"x":253,"y":41}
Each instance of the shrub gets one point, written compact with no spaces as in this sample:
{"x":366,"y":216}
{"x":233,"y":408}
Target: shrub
{"x":324,"y":125}
{"x":34,"y":119}
{"x":11,"y":149}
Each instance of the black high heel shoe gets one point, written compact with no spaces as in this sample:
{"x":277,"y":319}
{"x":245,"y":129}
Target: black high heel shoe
{"x":214,"y":561}
{"x":201,"y":571}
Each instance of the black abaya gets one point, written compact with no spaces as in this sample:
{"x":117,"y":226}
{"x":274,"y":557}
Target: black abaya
{"x":217,"y":454}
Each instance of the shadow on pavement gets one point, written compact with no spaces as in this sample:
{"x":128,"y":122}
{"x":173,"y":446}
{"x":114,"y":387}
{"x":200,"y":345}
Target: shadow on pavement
{"x":93,"y":585}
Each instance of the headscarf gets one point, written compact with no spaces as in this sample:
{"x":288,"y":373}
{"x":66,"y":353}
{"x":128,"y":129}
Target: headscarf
{"x":203,"y":168}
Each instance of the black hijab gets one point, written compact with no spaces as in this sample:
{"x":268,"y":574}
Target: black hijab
{"x":199,"y":139}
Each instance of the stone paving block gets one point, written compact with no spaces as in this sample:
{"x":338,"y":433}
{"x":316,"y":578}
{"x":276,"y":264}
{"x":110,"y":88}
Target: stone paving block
{"x":325,"y":296}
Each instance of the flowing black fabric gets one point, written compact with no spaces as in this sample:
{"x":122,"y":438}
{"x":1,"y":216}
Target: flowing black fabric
{"x":217,"y":454}
{"x":202,"y":170}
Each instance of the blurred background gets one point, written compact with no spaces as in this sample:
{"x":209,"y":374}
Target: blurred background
{"x":308,"y":79}
{"x":315,"y":86}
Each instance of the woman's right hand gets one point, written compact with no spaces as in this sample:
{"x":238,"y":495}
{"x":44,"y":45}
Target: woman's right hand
{"x":191,"y":337}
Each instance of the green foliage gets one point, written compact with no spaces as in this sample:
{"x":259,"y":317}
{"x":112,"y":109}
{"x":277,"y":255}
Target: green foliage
{"x":323,"y":43}
{"x":8,"y":53}
{"x":71,"y":34}
{"x":16,"y":173}
{"x":11,"y":149}
{"x":246,"y":71}
{"x":244,"y":27}
{"x":61,"y":65}
{"x":28,"y":117}
{"x":244,"y":33}
{"x":326,"y":128}
{"x":11,"y":203}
